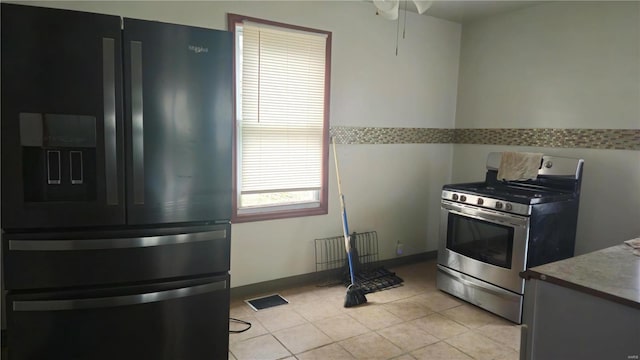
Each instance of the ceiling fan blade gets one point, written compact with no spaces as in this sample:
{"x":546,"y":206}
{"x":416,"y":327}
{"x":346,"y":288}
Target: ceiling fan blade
{"x":387,"y":8}
{"x":422,"y":5}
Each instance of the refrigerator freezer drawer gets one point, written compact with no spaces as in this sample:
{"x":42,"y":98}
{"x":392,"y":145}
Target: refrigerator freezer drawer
{"x":180,"y":320}
{"x":76,"y":259}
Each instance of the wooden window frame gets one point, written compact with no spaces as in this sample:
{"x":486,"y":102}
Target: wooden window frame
{"x":232,"y":20}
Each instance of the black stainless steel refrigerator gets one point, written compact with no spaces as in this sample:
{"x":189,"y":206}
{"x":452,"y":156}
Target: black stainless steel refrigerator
{"x":116,"y":186}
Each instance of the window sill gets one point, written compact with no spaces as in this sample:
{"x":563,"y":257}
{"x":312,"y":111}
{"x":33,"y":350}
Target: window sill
{"x":283,"y":214}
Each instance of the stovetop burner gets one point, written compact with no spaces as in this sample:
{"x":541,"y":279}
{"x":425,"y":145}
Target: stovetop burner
{"x":558,"y":180}
{"x":513,"y":193}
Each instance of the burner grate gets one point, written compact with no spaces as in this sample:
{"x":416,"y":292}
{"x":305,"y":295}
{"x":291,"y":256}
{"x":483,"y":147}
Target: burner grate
{"x":513,"y":193}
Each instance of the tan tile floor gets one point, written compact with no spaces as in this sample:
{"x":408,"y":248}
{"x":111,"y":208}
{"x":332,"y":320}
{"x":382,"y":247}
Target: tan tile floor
{"x":413,"y":321}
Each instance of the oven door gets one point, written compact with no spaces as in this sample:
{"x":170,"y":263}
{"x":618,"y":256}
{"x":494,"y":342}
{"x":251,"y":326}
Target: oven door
{"x":486,"y":244}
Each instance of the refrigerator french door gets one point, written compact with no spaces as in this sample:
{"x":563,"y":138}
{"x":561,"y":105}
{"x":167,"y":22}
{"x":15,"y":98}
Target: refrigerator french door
{"x":64,"y":128}
{"x":116,"y":189}
{"x":179,"y":88}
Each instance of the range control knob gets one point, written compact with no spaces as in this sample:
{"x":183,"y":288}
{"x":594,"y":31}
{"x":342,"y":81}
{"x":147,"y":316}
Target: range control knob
{"x":454,"y":196}
{"x":508,"y":206}
{"x":498,"y":205}
{"x":480,"y":201}
{"x":463,"y":198}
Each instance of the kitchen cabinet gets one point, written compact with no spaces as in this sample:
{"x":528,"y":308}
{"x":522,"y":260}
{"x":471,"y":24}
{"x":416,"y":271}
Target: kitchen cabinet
{"x":586,"y":307}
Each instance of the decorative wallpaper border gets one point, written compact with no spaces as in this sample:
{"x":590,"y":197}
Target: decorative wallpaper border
{"x":384,"y":135}
{"x":617,"y":139}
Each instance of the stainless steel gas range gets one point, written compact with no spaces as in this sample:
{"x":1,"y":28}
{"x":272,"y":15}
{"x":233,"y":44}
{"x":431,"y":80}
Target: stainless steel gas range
{"x":491,"y":231}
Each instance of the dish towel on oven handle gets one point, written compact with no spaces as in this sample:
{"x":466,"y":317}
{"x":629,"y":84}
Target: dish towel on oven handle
{"x":519,"y":166}
{"x":635,"y":245}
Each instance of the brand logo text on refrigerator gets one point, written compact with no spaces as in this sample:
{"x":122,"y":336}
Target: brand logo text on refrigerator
{"x":198,"y":49}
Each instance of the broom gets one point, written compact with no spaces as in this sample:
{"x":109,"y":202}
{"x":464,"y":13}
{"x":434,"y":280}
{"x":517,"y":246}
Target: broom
{"x":355,"y":295}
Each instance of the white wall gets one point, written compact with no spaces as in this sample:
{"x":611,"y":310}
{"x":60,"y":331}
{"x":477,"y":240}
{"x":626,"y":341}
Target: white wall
{"x":560,"y":65}
{"x":393,"y":189}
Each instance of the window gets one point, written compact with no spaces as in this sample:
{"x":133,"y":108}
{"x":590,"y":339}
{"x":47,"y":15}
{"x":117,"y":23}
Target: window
{"x":282,"y":119}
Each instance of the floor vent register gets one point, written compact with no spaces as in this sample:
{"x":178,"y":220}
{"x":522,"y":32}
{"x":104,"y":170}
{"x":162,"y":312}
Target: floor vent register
{"x":266,"y":302}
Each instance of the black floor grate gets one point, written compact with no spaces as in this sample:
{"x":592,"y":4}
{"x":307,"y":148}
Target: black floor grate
{"x":374,"y":280}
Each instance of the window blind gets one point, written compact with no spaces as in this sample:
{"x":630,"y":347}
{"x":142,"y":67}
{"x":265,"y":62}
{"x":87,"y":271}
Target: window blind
{"x":282,"y":111}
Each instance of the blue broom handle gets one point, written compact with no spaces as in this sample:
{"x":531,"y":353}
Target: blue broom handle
{"x":345,"y":223}
{"x":353,"y":278}
{"x":347,"y":238}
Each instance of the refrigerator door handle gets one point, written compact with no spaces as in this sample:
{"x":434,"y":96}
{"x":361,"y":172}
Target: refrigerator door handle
{"x":109,"y":94}
{"x":116,"y":243}
{"x":137,"y":122}
{"x":115,"y":301}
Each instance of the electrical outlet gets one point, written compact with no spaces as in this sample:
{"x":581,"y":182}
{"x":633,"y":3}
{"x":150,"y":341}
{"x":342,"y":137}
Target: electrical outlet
{"x":399,"y":248}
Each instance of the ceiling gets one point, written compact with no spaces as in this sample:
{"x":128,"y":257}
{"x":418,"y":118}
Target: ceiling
{"x":467,"y":11}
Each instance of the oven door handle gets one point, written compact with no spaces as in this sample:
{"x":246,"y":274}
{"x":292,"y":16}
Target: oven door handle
{"x":488,"y":288}
{"x":486,"y":215}
{"x":115,"y":301}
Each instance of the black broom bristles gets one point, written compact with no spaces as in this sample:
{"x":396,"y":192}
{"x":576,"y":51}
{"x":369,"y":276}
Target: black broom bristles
{"x":355,"y":296}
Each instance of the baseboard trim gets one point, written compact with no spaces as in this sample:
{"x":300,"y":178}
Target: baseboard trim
{"x":251,"y":290}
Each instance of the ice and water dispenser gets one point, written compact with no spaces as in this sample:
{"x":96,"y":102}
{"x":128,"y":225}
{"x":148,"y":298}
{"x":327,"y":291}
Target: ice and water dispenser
{"x":58,"y":157}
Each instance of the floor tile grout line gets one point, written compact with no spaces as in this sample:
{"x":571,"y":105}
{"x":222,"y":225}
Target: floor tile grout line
{"x":407,"y":352}
{"x":291,"y":353}
{"x":425,"y":288}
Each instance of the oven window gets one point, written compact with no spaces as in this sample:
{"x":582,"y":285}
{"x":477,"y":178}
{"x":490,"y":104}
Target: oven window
{"x":481,"y":240}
